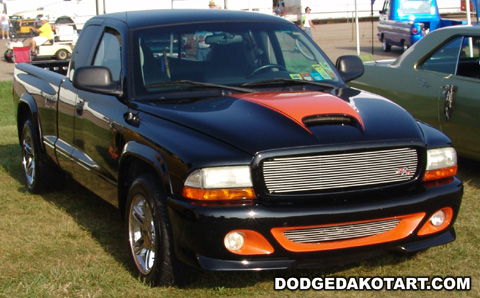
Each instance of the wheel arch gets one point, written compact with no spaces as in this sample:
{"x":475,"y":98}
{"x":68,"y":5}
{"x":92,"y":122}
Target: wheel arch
{"x":138,"y":159}
{"x":27,"y":108}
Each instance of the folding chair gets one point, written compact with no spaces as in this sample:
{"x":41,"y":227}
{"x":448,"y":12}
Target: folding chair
{"x":21,"y":54}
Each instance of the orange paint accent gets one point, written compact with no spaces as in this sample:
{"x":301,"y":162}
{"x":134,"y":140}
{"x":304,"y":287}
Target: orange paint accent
{"x":113,"y":152}
{"x":255,"y":244}
{"x":428,"y":228}
{"x":298,"y":105}
{"x":406,"y":226}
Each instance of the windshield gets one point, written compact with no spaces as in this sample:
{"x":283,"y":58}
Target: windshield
{"x":228,"y":53}
{"x":416,"y":7}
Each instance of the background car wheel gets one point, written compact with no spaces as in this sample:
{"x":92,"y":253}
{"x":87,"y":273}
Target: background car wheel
{"x":8,"y":56}
{"x":386,"y":47}
{"x":404,"y":45}
{"x":149,"y":235}
{"x":39,"y":174}
{"x":61,"y":54}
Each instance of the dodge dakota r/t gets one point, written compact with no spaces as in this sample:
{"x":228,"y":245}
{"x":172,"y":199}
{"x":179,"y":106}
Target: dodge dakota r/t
{"x":229,"y":141}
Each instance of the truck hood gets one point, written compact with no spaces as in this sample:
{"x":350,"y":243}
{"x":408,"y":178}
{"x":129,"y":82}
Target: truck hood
{"x":256,"y":122}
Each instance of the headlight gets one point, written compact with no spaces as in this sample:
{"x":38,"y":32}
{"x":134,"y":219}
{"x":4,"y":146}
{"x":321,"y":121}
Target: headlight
{"x":441,"y":164}
{"x":219,"y":184}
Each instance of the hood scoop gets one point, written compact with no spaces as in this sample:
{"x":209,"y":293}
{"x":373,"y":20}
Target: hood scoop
{"x":308,"y":108}
{"x":318,"y":120}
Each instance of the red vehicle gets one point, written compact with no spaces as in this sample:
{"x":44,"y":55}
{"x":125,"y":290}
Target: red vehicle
{"x":463,"y":6}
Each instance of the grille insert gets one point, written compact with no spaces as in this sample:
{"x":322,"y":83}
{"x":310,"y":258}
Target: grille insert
{"x":339,"y":171}
{"x":341,"y":232}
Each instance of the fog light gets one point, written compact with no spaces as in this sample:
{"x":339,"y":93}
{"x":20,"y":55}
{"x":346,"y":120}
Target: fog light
{"x":438,"y":218}
{"x":247,"y":243}
{"x":439,"y":221}
{"x":234,"y":241}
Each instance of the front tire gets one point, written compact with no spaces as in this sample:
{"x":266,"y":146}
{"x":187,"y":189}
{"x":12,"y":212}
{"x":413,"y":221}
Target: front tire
{"x":149,"y":235}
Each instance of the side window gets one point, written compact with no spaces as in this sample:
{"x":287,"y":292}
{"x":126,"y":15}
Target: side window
{"x":468,"y":64}
{"x":83,"y":48}
{"x":444,"y":60}
{"x":109,"y":53}
{"x":386,"y":6}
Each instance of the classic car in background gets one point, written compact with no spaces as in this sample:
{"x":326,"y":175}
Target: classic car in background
{"x":438,"y":81}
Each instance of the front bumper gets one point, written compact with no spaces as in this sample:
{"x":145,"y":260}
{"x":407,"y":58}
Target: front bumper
{"x":199,"y":230}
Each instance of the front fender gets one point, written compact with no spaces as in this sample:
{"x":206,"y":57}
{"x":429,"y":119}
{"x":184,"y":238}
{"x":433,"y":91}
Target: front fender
{"x":434,"y":138}
{"x":140,"y":154}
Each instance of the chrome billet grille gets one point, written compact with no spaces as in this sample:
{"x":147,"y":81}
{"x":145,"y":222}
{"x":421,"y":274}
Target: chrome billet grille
{"x":339,"y":171}
{"x":340,"y":232}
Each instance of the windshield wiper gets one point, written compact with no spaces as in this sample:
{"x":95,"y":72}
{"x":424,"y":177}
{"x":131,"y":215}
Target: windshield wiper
{"x":192,"y":84}
{"x":275,"y":82}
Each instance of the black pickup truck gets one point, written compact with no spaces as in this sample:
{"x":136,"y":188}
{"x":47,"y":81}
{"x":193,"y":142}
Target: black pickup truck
{"x":229,"y":141}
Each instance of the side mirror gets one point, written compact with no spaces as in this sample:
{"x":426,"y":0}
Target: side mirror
{"x":350,"y":67}
{"x":96,"y":79}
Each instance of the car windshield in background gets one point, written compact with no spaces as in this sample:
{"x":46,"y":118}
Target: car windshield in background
{"x":229,"y":53}
{"x":416,"y":7}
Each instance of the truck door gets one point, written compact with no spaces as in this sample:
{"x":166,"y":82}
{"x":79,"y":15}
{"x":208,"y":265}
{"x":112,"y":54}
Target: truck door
{"x":96,"y":130}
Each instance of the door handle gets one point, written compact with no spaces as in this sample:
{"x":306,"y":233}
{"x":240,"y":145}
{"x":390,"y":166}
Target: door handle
{"x":79,"y":108}
{"x":448,"y":91}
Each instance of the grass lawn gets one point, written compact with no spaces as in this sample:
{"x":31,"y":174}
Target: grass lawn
{"x":70,"y":243}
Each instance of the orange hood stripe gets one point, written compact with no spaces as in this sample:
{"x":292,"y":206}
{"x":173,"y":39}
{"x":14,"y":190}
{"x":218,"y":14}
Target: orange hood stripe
{"x":298,"y":105}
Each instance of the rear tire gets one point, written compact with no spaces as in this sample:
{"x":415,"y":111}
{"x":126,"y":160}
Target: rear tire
{"x":149,"y":235}
{"x":386,"y":47}
{"x":40,"y":174}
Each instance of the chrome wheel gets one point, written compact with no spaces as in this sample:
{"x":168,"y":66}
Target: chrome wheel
{"x":40,"y":173}
{"x":142,"y":234}
{"x":28,"y":156}
{"x":148,"y":234}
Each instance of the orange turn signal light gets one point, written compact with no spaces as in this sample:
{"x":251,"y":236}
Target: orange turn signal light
{"x":225,"y":194}
{"x":440,"y":173}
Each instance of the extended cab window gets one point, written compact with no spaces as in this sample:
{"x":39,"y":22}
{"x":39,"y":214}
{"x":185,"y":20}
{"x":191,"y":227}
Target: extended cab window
{"x":109,"y":53}
{"x":83,"y":48}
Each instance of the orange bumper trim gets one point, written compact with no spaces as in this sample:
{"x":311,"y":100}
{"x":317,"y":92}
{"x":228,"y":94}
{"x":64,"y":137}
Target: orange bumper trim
{"x":406,"y":226}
